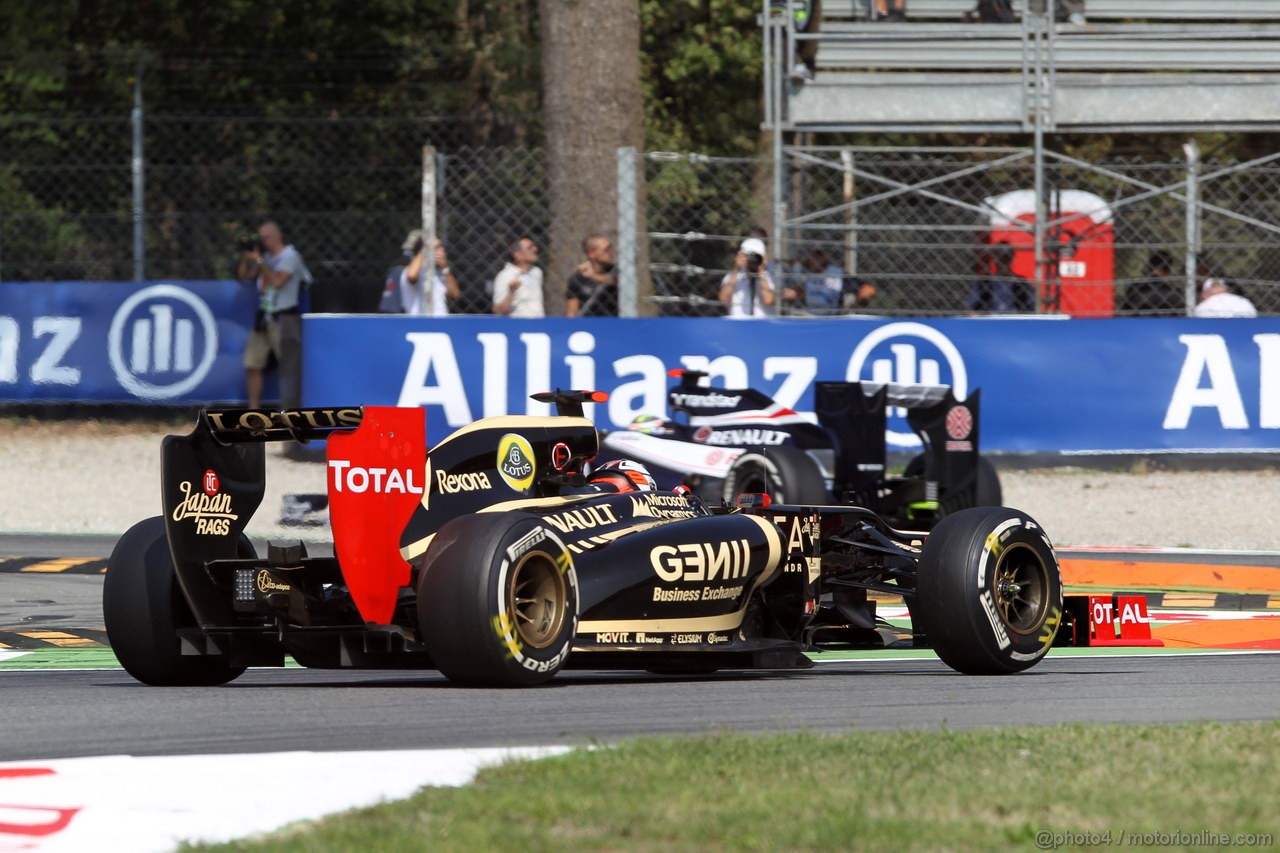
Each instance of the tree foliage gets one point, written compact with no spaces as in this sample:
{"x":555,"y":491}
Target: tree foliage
{"x":702,"y":62}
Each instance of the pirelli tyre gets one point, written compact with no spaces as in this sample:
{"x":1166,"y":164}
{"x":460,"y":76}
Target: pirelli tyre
{"x":989,"y":591}
{"x":143,"y":607}
{"x":988,"y":491}
{"x":787,"y":474}
{"x":498,"y":601}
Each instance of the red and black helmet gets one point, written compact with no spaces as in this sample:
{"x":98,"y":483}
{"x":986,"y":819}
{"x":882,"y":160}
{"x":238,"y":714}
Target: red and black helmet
{"x":623,"y":475}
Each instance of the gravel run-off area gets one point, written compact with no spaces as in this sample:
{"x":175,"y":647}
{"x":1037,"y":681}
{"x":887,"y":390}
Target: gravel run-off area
{"x":61,"y":476}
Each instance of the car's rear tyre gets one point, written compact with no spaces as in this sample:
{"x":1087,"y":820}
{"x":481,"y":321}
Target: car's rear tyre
{"x":143,"y":607}
{"x":498,"y":601}
{"x":787,"y":474}
{"x":988,"y":491}
{"x":989,"y":591}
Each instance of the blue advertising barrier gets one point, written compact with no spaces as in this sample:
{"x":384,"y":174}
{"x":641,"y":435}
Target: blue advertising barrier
{"x":1048,"y":384}
{"x":170,"y":343}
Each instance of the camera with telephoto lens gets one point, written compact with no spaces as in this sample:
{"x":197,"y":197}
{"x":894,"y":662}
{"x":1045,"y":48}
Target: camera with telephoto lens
{"x":250,"y":244}
{"x":754,"y":262}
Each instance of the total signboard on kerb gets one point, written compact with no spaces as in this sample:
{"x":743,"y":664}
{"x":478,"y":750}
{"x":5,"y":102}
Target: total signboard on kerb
{"x":1047,"y":385}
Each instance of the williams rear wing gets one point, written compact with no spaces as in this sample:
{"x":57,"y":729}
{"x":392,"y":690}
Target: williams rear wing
{"x":855,"y":415}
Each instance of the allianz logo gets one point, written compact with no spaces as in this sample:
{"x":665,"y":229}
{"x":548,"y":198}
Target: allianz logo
{"x":908,"y":353}
{"x":162,"y":342}
{"x":638,"y":383}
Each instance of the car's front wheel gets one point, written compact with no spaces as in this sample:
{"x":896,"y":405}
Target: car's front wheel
{"x":498,"y":601}
{"x":989,"y":591}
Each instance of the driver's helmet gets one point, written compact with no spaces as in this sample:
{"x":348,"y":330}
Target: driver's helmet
{"x":650,"y":425}
{"x":623,"y":475}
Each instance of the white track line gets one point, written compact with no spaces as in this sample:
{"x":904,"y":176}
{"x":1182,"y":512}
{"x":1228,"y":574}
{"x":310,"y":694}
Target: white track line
{"x":144,"y":804}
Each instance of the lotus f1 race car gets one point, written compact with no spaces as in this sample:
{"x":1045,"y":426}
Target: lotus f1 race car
{"x":491,"y":559}
{"x":724,"y":441}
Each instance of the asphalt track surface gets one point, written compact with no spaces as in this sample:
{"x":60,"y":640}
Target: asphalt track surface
{"x":78,"y":713}
{"x":65,"y":713}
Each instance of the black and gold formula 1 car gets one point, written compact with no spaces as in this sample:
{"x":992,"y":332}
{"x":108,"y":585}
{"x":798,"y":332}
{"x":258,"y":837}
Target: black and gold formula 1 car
{"x":489,"y":559}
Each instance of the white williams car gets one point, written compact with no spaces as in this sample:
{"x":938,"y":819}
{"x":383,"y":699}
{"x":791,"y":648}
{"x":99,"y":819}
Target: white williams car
{"x":721,"y":442}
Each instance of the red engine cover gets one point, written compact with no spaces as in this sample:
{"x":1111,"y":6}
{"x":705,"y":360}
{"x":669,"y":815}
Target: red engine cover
{"x":376,"y":477}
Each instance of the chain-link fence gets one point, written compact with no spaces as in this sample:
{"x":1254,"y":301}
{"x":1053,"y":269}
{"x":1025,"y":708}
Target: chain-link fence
{"x":345,"y":191}
{"x":489,"y":198}
{"x":919,"y":224}
{"x":914,"y":223}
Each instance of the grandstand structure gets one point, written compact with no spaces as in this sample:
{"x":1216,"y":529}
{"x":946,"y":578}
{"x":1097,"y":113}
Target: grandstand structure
{"x":1169,"y":66}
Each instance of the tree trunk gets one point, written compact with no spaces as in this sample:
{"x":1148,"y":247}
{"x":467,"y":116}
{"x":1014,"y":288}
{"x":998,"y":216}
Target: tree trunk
{"x":592,"y":104}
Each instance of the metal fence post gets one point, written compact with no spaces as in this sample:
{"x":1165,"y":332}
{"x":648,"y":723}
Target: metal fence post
{"x":428,"y":216}
{"x":628,"y":225}
{"x":442,"y":192}
{"x":783,"y":34}
{"x":1192,"y":150}
{"x":139,"y":166}
{"x":849,"y":189}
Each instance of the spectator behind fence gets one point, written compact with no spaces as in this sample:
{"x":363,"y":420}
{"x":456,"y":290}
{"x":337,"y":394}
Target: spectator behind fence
{"x":762,"y":235}
{"x":889,"y":10}
{"x":1217,"y":300}
{"x":820,"y":286}
{"x":1002,"y":11}
{"x":517,"y":289}
{"x":993,"y":12}
{"x":748,"y":290}
{"x":281,"y":277}
{"x":416,"y":299}
{"x":1064,"y":10}
{"x":593,"y":286}
{"x":1158,"y":294}
{"x":998,"y":290}
{"x":807,"y":15}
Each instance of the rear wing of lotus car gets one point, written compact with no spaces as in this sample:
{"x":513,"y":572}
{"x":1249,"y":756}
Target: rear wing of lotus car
{"x":856,"y":414}
{"x":212,"y":481}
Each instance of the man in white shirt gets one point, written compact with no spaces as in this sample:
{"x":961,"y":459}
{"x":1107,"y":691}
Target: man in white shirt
{"x":517,"y":289}
{"x":748,"y":290}
{"x":1217,"y":300}
{"x":414,"y":299}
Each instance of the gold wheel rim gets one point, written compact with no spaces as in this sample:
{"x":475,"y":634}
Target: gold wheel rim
{"x":537,"y":596}
{"x":1021,"y":589}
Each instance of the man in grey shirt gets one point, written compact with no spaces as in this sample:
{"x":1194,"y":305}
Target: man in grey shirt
{"x":281,"y":275}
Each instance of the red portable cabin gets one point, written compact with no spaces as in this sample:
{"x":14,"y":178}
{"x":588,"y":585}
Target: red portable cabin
{"x":1081,"y":224}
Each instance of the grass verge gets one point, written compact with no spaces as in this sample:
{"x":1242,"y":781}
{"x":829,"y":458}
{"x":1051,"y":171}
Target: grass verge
{"x":972,"y":790}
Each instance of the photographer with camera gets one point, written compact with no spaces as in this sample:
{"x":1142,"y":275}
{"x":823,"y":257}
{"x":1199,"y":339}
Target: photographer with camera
{"x":281,"y":276}
{"x":748,"y":289}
